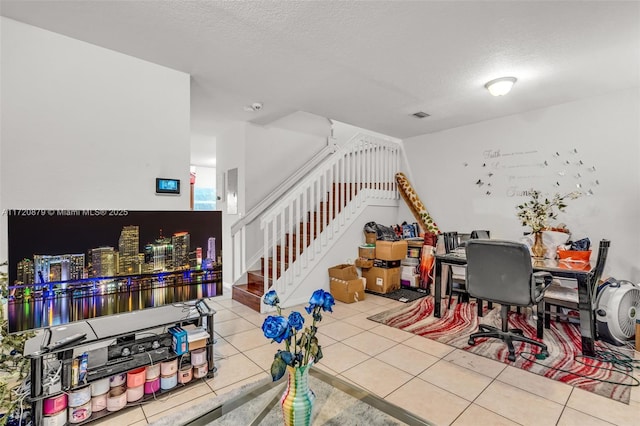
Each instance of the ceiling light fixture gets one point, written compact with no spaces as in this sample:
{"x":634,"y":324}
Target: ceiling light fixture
{"x":256,"y":106}
{"x":420,"y":114}
{"x":500,"y":86}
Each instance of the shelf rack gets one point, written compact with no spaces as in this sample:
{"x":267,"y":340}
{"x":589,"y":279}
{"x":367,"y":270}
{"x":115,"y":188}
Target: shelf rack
{"x":100,"y":333}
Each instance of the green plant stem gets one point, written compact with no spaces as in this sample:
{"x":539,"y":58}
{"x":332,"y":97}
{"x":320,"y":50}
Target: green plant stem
{"x":316,"y":310}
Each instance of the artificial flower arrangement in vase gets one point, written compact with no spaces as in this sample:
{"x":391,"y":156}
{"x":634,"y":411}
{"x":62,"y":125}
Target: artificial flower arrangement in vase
{"x":302,"y":349}
{"x":538,"y":211}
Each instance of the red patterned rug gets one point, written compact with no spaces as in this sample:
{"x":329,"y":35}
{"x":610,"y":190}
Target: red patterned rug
{"x":563,"y":341}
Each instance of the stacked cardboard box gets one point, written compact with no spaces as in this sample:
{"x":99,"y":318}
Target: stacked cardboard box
{"x":391,"y":250}
{"x":384,"y":276}
{"x":345,"y":284}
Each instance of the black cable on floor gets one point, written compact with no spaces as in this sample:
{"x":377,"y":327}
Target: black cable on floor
{"x":634,"y":381}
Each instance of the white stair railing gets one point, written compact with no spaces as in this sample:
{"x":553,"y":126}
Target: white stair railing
{"x":298,"y":229}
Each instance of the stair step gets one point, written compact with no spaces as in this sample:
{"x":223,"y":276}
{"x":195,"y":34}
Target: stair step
{"x":278,"y":264}
{"x":284,"y":254}
{"x":296,"y":237}
{"x":324,"y":207}
{"x":321,"y":217}
{"x":256,"y":278}
{"x":311,"y":228}
{"x":248,"y":294}
{"x":296,"y":240}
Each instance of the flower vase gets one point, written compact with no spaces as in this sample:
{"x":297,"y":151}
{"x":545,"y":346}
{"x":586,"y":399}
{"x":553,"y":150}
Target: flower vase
{"x":538,"y":250}
{"x":297,"y":400}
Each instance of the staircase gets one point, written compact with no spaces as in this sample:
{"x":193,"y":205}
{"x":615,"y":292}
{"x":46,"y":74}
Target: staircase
{"x":302,"y":226}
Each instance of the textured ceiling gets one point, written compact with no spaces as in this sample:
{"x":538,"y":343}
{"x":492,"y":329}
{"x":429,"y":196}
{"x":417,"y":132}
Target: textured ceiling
{"x":370,"y":64}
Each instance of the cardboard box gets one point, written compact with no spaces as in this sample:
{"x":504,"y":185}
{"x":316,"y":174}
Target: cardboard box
{"x":179,"y":343}
{"x":381,"y":280}
{"x":196,"y":337}
{"x":367,"y":251}
{"x":391,"y":250}
{"x":347,"y":291}
{"x":343,"y":272}
{"x":364,"y":263}
{"x":370,"y":237}
{"x":386,"y":263}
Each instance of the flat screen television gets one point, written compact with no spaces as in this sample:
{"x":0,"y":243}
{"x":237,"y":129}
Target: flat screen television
{"x":72,"y":265}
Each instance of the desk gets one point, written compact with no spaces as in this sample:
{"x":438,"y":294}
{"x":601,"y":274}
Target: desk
{"x":583,"y":273}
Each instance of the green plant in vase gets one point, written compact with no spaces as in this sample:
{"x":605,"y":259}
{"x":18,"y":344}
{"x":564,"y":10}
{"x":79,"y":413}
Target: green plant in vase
{"x":538,"y":211}
{"x":13,"y":366}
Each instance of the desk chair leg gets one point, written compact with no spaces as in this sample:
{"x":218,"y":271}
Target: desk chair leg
{"x":506,"y":335}
{"x":540,"y":319}
{"x":547,"y":318}
{"x":449,"y":288}
{"x":480,"y":308}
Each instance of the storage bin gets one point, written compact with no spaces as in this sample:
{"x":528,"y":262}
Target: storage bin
{"x":168,"y":368}
{"x":52,"y":406}
{"x":99,"y":402}
{"x":153,"y":371}
{"x":185,"y":374}
{"x":134,"y":394}
{"x":117,"y":398}
{"x":136,"y":377}
{"x":100,"y":387}
{"x":55,"y":419}
{"x":79,"y":414}
{"x":168,"y":382}
{"x":80,"y":396}
{"x":200,"y":371}
{"x":117,"y":380}
{"x":199,"y":356}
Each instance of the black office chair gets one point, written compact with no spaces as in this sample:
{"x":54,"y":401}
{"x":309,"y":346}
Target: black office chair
{"x":501,"y":272}
{"x":480,"y":235}
{"x":456,"y":279}
{"x":558,"y":297}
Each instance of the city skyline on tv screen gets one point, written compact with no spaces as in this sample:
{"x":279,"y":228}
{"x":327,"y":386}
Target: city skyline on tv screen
{"x":68,"y":265}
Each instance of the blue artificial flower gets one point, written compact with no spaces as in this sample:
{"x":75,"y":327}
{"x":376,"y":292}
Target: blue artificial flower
{"x":276,"y":328}
{"x":306,"y":348}
{"x":271,"y":298}
{"x":296,"y":320}
{"x":329,"y":301}
{"x":317,"y":299}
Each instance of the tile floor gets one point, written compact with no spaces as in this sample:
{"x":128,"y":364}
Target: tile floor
{"x":442,"y":384}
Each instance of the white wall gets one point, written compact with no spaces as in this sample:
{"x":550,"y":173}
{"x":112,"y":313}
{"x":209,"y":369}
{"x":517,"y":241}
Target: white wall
{"x":602,"y":132}
{"x":272,"y":155}
{"x":84,"y":127}
{"x":265,"y":156}
{"x":230,"y":152}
